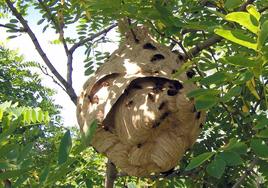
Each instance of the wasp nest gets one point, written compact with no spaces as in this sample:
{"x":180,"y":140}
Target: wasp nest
{"x":145,"y":121}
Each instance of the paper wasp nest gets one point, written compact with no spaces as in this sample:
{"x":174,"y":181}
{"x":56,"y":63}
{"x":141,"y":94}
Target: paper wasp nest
{"x":145,"y":121}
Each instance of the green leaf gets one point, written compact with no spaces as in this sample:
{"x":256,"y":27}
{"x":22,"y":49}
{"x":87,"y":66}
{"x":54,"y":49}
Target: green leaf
{"x":235,"y":91}
{"x":236,"y":146}
{"x":244,"y":19}
{"x":89,"y":71}
{"x":6,"y":165}
{"x":183,"y":68}
{"x":11,"y":25}
{"x":13,"y":126}
{"x":259,"y":147}
{"x":34,"y":116}
{"x":240,"y":60}
{"x":90,"y":132}
{"x":59,"y":172}
{"x":217,"y":13}
{"x":201,"y":92}
{"x":12,"y":174}
{"x":46,"y":117}
{"x":1,"y":114}
{"x":231,"y":158}
{"x":44,"y":175}
{"x":215,"y":78}
{"x":13,"y":21}
{"x":263,"y":134}
{"x":262,"y":122}
{"x":40,"y":21}
{"x":216,"y":167}
{"x":237,"y":37}
{"x":232,"y":4}
{"x":253,"y":11}
{"x":244,"y":77}
{"x":12,"y":36}
{"x":25,"y":151}
{"x":205,"y":102}
{"x":40,"y":115}
{"x":65,"y":147}
{"x":263,"y":167}
{"x":198,"y":160}
{"x":27,"y":116}
{"x":263,"y":34}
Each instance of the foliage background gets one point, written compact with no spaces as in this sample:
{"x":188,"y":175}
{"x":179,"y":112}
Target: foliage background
{"x":224,"y":42}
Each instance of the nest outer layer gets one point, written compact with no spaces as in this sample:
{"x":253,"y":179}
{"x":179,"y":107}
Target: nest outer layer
{"x":145,"y":121}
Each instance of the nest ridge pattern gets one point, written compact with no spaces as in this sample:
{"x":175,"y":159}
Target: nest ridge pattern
{"x":145,"y":121}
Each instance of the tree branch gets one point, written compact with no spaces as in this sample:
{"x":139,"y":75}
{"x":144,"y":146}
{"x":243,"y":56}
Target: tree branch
{"x":250,"y":168}
{"x":69,"y":89}
{"x":214,"y":39}
{"x":45,"y":72}
{"x":92,"y":37}
{"x":111,"y":174}
{"x":59,"y":28}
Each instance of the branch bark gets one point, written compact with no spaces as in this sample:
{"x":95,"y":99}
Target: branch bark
{"x":111,"y":174}
{"x":69,"y":89}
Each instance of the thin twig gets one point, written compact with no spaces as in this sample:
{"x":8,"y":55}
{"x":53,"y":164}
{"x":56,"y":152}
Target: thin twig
{"x":45,"y":72}
{"x":248,"y":170}
{"x":92,"y":37}
{"x":69,"y":89}
{"x":59,"y":28}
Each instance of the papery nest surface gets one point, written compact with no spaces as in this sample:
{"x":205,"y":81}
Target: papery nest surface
{"x":145,"y":120}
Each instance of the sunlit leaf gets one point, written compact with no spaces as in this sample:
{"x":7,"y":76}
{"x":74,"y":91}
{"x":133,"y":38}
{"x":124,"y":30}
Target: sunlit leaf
{"x":253,"y":11}
{"x":1,"y":114}
{"x":46,"y":117}
{"x":27,"y":116}
{"x":40,"y":115}
{"x":244,"y":19}
{"x":237,"y":37}
{"x":34,"y":116}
